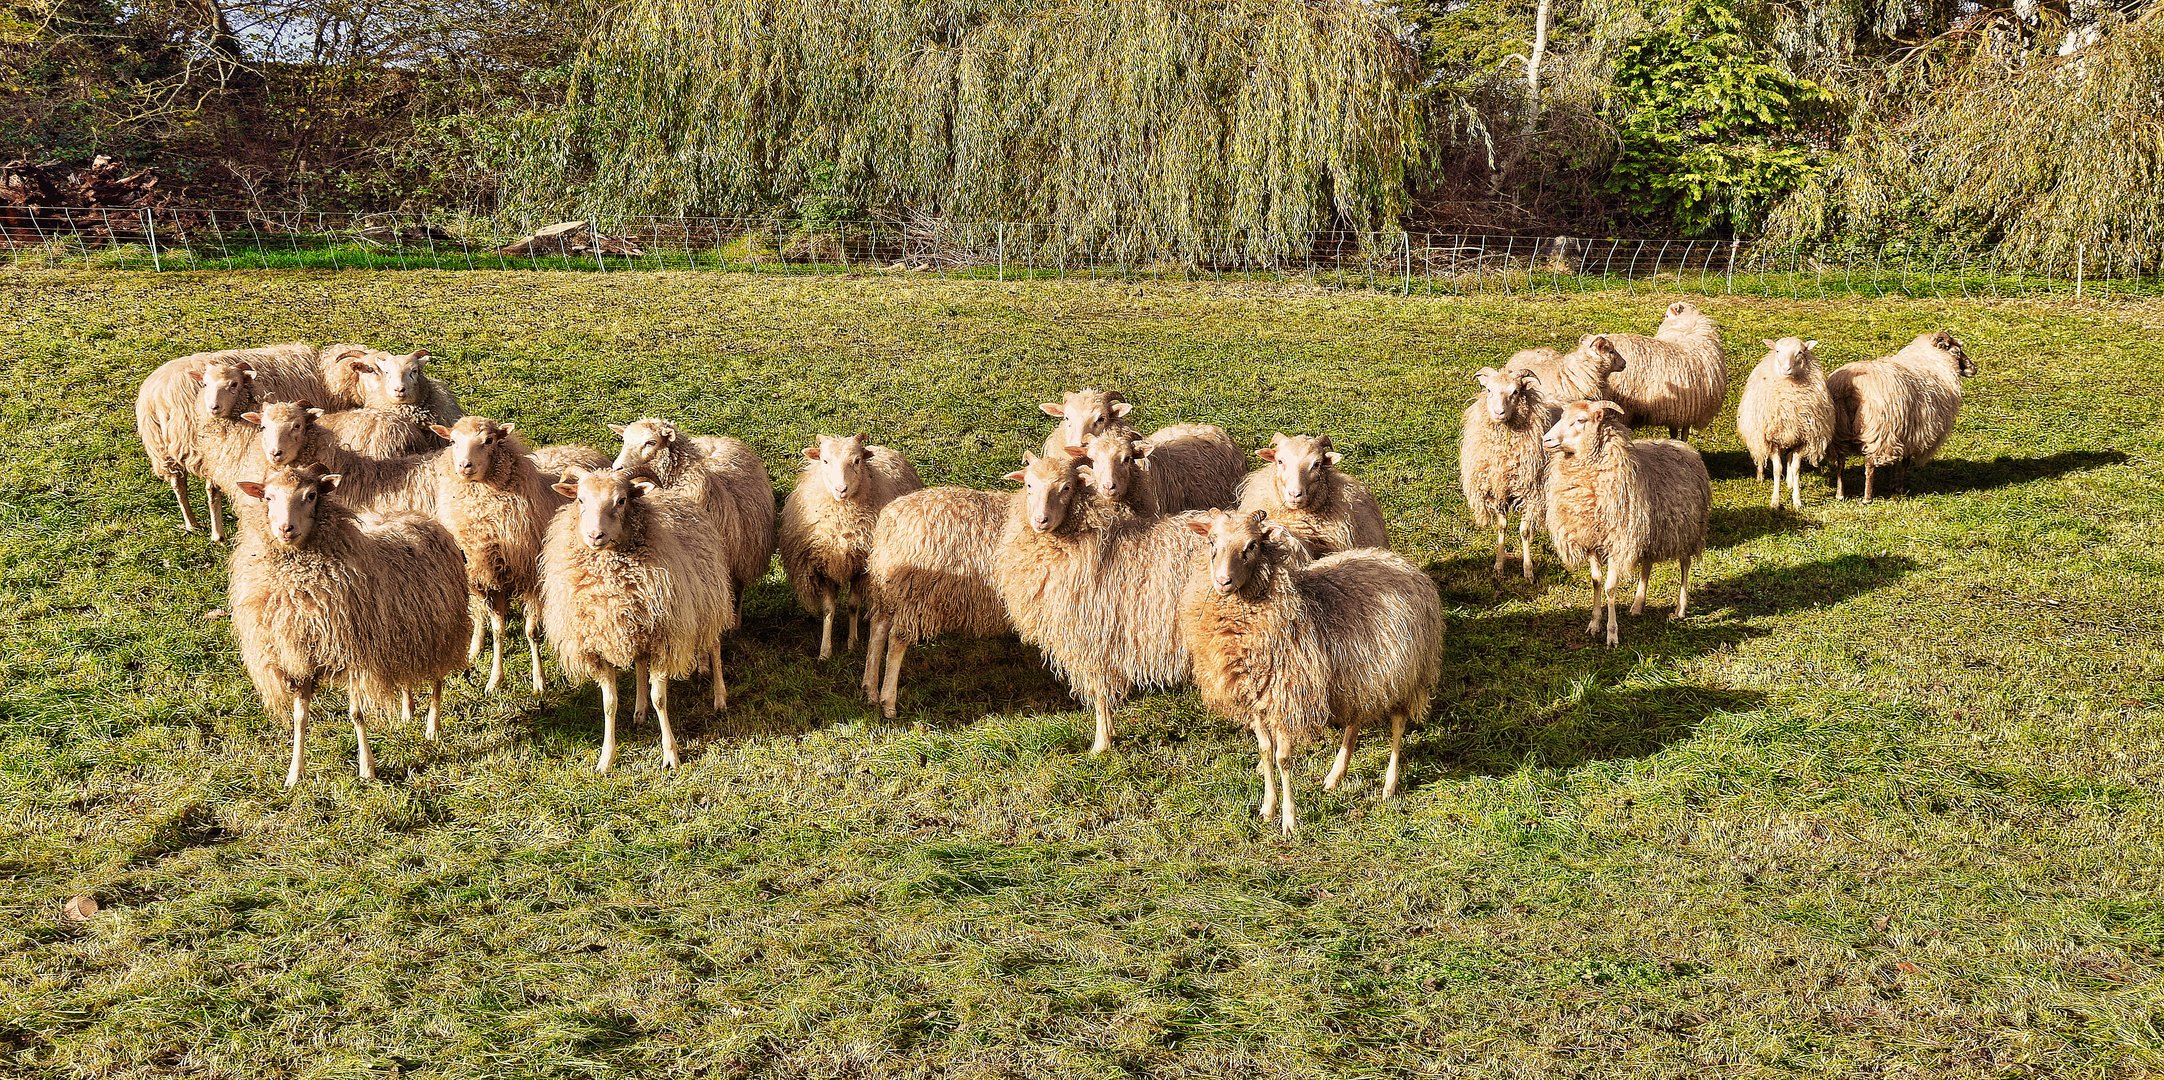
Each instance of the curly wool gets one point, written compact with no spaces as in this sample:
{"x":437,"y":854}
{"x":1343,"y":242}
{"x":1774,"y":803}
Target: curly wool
{"x":1634,"y":503}
{"x":825,"y":542}
{"x":661,"y":595}
{"x":1901,"y":407}
{"x":1782,"y":414}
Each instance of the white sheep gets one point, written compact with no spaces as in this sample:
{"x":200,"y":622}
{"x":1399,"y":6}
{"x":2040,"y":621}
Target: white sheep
{"x":1502,"y":467}
{"x":195,"y":435}
{"x":825,"y":533}
{"x":733,"y":481}
{"x":317,"y":594}
{"x":497,"y":506}
{"x":1301,"y":488}
{"x":1181,"y":467}
{"x":563,"y":459}
{"x":1618,"y":506}
{"x":1897,"y":409}
{"x":1786,"y":414}
{"x":635,"y":578}
{"x":293,"y":433}
{"x":1583,"y":372}
{"x":387,"y":379}
{"x":1082,"y":414}
{"x":384,"y":424}
{"x":930,"y":573}
{"x":1677,"y":378}
{"x":1288,"y":645}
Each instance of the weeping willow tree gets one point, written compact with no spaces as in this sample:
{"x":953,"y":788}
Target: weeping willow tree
{"x":1267,"y":118}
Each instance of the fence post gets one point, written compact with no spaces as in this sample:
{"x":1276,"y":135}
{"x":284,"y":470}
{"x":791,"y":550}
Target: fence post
{"x":2078,"y":253}
{"x":1733,"y":245}
{"x":150,"y":228}
{"x":1407,"y":237}
{"x":1002,"y":241}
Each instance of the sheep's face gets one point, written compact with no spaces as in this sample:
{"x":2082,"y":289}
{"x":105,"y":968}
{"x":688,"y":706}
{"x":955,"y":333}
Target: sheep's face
{"x":1792,"y":357}
{"x":839,"y":462}
{"x":1113,"y":458}
{"x":1505,"y":391}
{"x":1605,"y":357}
{"x":1048,"y":487}
{"x":225,"y":388}
{"x":1299,"y":465}
{"x":1578,"y":429}
{"x":291,"y":497}
{"x":1681,"y":316}
{"x":1086,"y":412}
{"x":286,"y":426}
{"x":1238,"y":545}
{"x":644,"y":440}
{"x":604,"y":498}
{"x":475,"y":442}
{"x":1951,"y":346}
{"x":397,"y":378}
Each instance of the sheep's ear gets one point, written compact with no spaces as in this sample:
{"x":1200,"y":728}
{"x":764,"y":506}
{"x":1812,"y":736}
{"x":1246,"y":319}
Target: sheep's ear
{"x":1333,"y":457}
{"x":1677,"y":308}
{"x":1200,"y":525}
{"x":1255,"y":518}
{"x":1267,"y":453}
{"x":1811,"y":345}
{"x":1078,"y":451}
{"x":1121,"y":408}
{"x":441,"y":431}
{"x":418,"y":354}
{"x":1088,"y":475}
{"x":315,"y":414}
{"x":247,"y":373}
{"x":617,"y":428}
{"x":250,"y":488}
{"x":811,"y":453}
{"x":254,"y":418}
{"x":197,"y":377}
{"x":1528,"y":379}
{"x":862,"y":437}
{"x":1484,"y":374}
{"x":567,"y":489}
{"x":303,"y":403}
{"x":507,"y":427}
{"x":643,"y":486}
{"x":1767,"y":342}
{"x":330,"y":481}
{"x":1053,"y":408}
{"x":1018,"y":475}
{"x":1142,"y":449}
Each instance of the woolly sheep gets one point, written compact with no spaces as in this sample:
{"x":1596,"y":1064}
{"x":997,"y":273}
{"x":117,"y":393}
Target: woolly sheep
{"x":182,"y":436}
{"x":737,"y":490}
{"x":827,"y":522}
{"x":1619,"y":506}
{"x":1502,"y":467}
{"x":497,"y":506}
{"x":1082,"y":414}
{"x":1302,"y":489}
{"x":387,"y":379}
{"x":293,"y":433}
{"x":1095,"y":585}
{"x":1582,"y":373}
{"x":1677,"y":378}
{"x":930,"y":574}
{"x":563,"y":459}
{"x":1786,"y":415}
{"x":384,"y":425}
{"x":1897,"y":409}
{"x":317,"y":593}
{"x":1288,"y":645}
{"x":1182,"y":467}
{"x":635,"y":577}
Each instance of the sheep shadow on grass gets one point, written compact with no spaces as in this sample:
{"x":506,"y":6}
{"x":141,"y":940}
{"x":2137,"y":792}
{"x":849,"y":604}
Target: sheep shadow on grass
{"x":1949,"y":476}
{"x":1728,"y":526}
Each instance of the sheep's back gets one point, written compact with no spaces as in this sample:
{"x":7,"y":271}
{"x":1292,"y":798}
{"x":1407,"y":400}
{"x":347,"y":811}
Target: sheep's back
{"x":1380,"y":621}
{"x":1194,"y":467}
{"x":933,"y":557}
{"x":1670,"y":383}
{"x":1672,"y":485}
{"x":742,"y":493}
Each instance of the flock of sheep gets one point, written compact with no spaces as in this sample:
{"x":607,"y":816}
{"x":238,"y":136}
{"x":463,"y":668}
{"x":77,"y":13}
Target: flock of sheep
{"x":376,"y":525}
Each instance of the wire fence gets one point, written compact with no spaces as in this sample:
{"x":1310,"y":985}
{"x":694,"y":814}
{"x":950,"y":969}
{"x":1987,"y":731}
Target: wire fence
{"x":1422,"y":262}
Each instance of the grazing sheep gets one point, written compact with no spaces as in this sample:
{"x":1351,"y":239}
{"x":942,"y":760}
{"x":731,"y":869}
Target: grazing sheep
{"x":634,"y":576}
{"x":1676,"y":378}
{"x":497,"y":507}
{"x":1287,"y":645}
{"x":1302,"y":489}
{"x":1619,"y":506}
{"x":317,"y":593}
{"x":387,"y":379}
{"x":1502,"y":467}
{"x":736,"y":488}
{"x":563,"y":459}
{"x":1182,"y":467}
{"x":1095,"y":585}
{"x":930,"y":574}
{"x":384,"y":425}
{"x":827,"y":522}
{"x":1582,"y":373}
{"x":1897,"y":409}
{"x":1786,"y":415}
{"x":1082,"y":414}
{"x":293,"y":433}
{"x":182,"y":434}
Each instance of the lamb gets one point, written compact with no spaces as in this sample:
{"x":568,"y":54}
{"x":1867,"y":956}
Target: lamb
{"x":738,"y":493}
{"x":388,"y":379}
{"x":1897,"y":409}
{"x":293,"y":434}
{"x":497,"y":506}
{"x":1302,"y":489}
{"x":317,"y":593}
{"x":1287,"y":645}
{"x":1082,"y":414}
{"x":635,"y":576}
{"x":1095,"y":585}
{"x":1619,"y":507}
{"x":1502,"y":467}
{"x":1182,"y":467}
{"x":930,"y":574}
{"x":827,"y":523}
{"x":181,"y":433}
{"x":1584,"y":372}
{"x":1786,"y":414}
{"x":1675,"y":378}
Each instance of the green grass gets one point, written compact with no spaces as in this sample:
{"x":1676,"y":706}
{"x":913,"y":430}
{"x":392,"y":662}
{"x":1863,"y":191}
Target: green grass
{"x":1886,"y":803}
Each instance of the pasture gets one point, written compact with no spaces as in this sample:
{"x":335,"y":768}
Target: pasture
{"x":1885,"y":803}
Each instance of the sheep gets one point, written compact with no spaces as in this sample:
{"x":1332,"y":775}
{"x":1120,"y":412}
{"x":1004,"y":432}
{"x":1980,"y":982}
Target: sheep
{"x":386,"y":379}
{"x":384,"y":425}
{"x":737,"y":490}
{"x":1302,"y":489}
{"x":1675,"y":378}
{"x":635,"y":576}
{"x":1182,"y":467}
{"x":825,"y":532}
{"x":1786,"y":413}
{"x":1582,"y":373}
{"x":1082,"y":414}
{"x":562,"y":459}
{"x":1095,"y":586}
{"x":180,"y":434}
{"x":317,"y":593}
{"x":1619,"y":506}
{"x":1286,"y":645}
{"x":1897,"y":409}
{"x":293,"y":433}
{"x":1502,"y":467}
{"x":497,"y":506}
{"x":929,"y":574}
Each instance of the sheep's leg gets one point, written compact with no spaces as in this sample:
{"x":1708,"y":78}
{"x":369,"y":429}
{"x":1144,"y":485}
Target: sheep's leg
{"x":1268,"y":811}
{"x":216,"y":512}
{"x":533,"y":649}
{"x":1103,"y":741}
{"x":435,"y":709}
{"x":826,"y":623}
{"x":657,"y":686}
{"x":1608,"y":593}
{"x":474,"y":643}
{"x":179,"y":483}
{"x":1760,"y":463}
{"x":892,"y":689}
{"x":608,"y":720}
{"x":1397,"y":740}
{"x":1593,"y":567}
{"x":365,"y":761}
{"x":300,"y":738}
{"x":638,"y":689}
{"x":1683,"y":590}
{"x":1795,"y":470}
{"x":1776,"y":502}
{"x":1840,"y":488}
{"x":1344,"y":757}
{"x":496,"y":614}
{"x":1289,"y":817}
{"x":721,"y":681}
{"x":875,"y":652}
{"x":1868,"y":469}
{"x":1525,"y":546}
{"x":856,"y":608}
{"x":405,"y":706}
{"x":1502,"y":545}
{"x":1638,"y":602}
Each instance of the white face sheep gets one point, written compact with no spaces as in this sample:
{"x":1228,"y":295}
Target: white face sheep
{"x":1619,"y":506}
{"x":1899,"y":409}
{"x":726,"y":474}
{"x":1301,"y":487}
{"x":1082,"y":414}
{"x":1119,"y":471}
{"x":295,"y":433}
{"x":1786,"y":414}
{"x":827,"y":522}
{"x":1502,"y":467}
{"x":1180,"y":467}
{"x":497,"y":505}
{"x":287,"y":430}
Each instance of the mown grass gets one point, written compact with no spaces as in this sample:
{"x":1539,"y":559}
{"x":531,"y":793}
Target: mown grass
{"x":1886,"y":803}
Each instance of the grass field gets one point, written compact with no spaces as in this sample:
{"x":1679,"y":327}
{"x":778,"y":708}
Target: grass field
{"x":1886,"y":803}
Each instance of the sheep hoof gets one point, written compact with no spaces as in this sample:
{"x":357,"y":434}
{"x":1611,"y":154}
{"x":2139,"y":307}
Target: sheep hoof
{"x":1638,"y":608}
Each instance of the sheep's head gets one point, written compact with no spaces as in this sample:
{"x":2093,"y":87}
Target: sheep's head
{"x":1506,"y":391}
{"x":1578,"y":429}
{"x":290,"y":497}
{"x":1240,"y":545}
{"x":1113,"y":457}
{"x":604,"y":498}
{"x":1682,"y":316}
{"x":644,"y":440}
{"x":1049,"y":485}
{"x":475,"y":442}
{"x":225,"y":387}
{"x":839,"y":461}
{"x":1951,"y":346}
{"x":1086,"y":412}
{"x":1299,"y":465}
{"x":1793,"y":357}
{"x":286,"y":426}
{"x":395,"y":378}
{"x":1606,"y":358}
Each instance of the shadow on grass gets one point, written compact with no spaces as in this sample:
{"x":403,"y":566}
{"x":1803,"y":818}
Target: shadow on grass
{"x":1774,"y":590}
{"x":1951,"y":475}
{"x":1727,"y":526}
{"x":1729,"y":464}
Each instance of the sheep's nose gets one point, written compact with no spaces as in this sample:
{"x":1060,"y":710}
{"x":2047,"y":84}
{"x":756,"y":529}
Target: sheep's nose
{"x":1223,"y":584}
